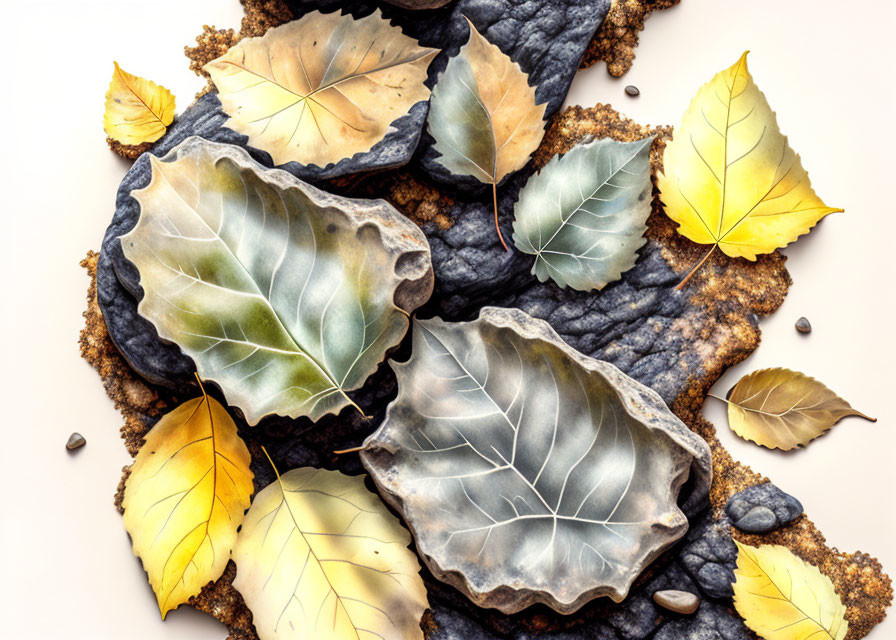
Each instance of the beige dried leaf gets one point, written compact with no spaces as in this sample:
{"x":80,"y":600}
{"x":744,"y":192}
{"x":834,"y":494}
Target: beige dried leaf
{"x":783,"y":409}
{"x":321,"y":88}
{"x":319,"y":556}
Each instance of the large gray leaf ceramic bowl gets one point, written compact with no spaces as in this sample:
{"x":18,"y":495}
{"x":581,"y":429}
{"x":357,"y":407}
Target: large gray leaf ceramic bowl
{"x":527,"y":471}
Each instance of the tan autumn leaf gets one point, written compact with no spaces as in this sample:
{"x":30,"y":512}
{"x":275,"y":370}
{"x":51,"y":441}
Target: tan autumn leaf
{"x":483,"y":115}
{"x":137,"y":110}
{"x":319,"y":556}
{"x":781,"y":597}
{"x":185,"y":498}
{"x":321,"y":88}
{"x":782,"y":409}
{"x":730,"y":178}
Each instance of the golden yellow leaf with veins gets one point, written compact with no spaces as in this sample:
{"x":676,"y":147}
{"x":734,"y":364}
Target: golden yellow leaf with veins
{"x":185,"y":498}
{"x":730,"y":179}
{"x":781,"y":597}
{"x":321,"y":88}
{"x":782,"y":409}
{"x":319,"y":556}
{"x":137,"y":110}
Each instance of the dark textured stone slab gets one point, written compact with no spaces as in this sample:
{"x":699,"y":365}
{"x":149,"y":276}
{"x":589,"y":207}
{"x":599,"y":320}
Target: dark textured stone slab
{"x":138,"y":341}
{"x":762,"y":508}
{"x":710,"y":556}
{"x":711,"y":622}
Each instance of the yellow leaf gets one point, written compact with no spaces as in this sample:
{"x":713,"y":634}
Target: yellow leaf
{"x":319,"y":556}
{"x":483,"y":115}
{"x":782,"y":409}
{"x":780,"y":597}
{"x":321,"y":88}
{"x":185,"y":498}
{"x":137,"y":110}
{"x":729,"y":177}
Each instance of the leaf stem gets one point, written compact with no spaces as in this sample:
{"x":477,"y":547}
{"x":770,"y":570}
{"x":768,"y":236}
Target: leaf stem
{"x":273,"y":466}
{"x":497,"y":228}
{"x":352,"y":450}
{"x":710,"y":395}
{"x":691,"y":273}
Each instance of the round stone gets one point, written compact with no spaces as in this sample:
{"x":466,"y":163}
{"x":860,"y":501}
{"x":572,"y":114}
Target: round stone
{"x":677,"y":601}
{"x":759,"y":519}
{"x":632,"y":90}
{"x":802,"y":325}
{"x":762,"y":508}
{"x":75,"y":441}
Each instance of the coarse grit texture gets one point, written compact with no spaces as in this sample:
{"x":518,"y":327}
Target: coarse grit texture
{"x":616,"y":40}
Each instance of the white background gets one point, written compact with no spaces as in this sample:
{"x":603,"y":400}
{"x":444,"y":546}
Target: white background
{"x":826,"y":66}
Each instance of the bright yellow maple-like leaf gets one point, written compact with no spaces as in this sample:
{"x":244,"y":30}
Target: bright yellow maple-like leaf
{"x":137,"y":110}
{"x":185,"y":498}
{"x":781,"y":597}
{"x":730,"y":179}
{"x":319,"y":556}
{"x":321,"y":88}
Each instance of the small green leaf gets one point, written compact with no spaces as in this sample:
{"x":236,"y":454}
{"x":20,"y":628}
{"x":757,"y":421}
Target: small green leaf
{"x":584,"y":216}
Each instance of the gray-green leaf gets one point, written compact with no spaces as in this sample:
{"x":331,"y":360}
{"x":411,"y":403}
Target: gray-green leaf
{"x":584,"y":216}
{"x":483,"y":114}
{"x":527,"y":471}
{"x":286,"y":296}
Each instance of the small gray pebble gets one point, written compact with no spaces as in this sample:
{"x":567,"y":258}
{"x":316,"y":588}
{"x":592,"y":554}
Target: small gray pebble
{"x":75,"y":441}
{"x":632,"y":91}
{"x":802,"y":325}
{"x":759,"y":519}
{"x":762,"y":508}
{"x":677,"y":601}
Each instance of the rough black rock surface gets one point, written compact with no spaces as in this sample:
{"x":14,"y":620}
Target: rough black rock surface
{"x":762,"y":508}
{"x":711,"y":622}
{"x":709,"y":556}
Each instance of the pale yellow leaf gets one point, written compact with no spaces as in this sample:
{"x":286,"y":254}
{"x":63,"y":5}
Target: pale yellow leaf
{"x":321,"y":88}
{"x":781,"y":597}
{"x":782,"y":409}
{"x":185,"y":498}
{"x":137,"y":110}
{"x":730,"y":179}
{"x":319,"y":556}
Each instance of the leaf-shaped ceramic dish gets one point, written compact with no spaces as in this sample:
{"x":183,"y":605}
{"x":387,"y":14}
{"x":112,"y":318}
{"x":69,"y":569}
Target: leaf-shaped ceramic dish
{"x":285,"y":295}
{"x":527,"y":471}
{"x":584,"y":216}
